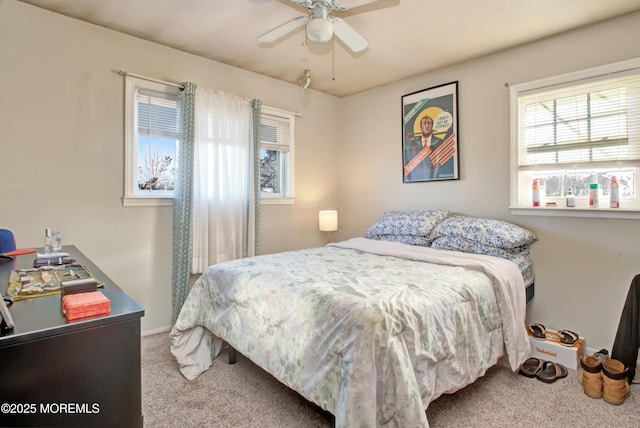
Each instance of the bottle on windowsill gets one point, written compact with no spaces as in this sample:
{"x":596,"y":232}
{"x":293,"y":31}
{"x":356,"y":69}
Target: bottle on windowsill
{"x":614,"y":193}
{"x":535,"y":196}
{"x":593,"y":195}
{"x":571,"y":199}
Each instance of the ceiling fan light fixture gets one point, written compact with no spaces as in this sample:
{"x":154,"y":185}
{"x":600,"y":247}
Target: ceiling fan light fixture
{"x":319,"y":30}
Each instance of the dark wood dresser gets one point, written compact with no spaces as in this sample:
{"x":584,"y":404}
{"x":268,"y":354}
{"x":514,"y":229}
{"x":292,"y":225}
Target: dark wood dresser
{"x":59,"y":373}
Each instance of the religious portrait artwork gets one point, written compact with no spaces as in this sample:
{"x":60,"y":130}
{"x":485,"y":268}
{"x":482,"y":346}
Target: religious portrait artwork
{"x":429,"y":134}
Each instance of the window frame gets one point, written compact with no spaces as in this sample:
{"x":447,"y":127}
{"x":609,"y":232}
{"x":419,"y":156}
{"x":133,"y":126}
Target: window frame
{"x":519,"y":187}
{"x":131,"y":198}
{"x":288,"y":196}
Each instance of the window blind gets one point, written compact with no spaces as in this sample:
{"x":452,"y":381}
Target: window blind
{"x":274,"y":133}
{"x":586,"y":123}
{"x":159,"y":114}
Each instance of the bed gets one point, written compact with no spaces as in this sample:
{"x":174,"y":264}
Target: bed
{"x":370,"y":329}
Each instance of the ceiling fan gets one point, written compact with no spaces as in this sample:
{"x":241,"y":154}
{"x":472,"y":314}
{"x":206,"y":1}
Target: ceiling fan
{"x":320,"y":26}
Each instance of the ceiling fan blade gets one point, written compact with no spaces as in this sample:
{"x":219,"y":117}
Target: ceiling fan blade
{"x":340,"y":5}
{"x":286,"y":28}
{"x":348,"y":35}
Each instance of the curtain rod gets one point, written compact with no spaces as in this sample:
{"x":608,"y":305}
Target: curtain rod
{"x":150,"y":79}
{"x":179,"y":86}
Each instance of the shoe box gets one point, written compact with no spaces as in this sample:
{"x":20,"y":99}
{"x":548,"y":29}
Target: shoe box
{"x":551,"y":350}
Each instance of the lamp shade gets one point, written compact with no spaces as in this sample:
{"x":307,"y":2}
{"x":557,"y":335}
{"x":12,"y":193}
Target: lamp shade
{"x":328,"y":220}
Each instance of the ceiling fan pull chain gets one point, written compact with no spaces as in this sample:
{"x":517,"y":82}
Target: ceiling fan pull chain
{"x":333,"y":60}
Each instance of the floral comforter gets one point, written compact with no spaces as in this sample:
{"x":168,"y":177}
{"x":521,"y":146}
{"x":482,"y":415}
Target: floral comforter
{"x":372,"y":331}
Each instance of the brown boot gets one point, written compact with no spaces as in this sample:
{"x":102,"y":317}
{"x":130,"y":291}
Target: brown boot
{"x":591,"y":376}
{"x":616,"y":384}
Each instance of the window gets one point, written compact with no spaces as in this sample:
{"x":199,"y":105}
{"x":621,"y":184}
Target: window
{"x":153,"y":132}
{"x":276,"y":156}
{"x":574,"y":130}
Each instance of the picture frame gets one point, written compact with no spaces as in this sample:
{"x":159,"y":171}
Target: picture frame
{"x":430,"y":149}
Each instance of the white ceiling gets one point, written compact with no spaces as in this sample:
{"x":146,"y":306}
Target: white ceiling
{"x":406,"y":37}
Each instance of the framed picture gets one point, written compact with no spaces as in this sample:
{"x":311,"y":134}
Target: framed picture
{"x":430,"y":134}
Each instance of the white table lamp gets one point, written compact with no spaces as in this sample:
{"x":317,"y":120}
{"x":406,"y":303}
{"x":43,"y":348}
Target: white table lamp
{"x":328,"y":221}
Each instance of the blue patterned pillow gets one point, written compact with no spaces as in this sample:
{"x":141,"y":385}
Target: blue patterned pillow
{"x":411,"y":227}
{"x":421,"y":241}
{"x":494,"y":233}
{"x":519,"y":255}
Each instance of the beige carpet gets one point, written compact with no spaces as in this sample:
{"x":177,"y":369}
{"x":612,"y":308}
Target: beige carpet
{"x":243,"y":395}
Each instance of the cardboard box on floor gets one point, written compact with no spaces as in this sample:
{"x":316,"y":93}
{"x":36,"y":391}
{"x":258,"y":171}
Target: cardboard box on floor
{"x":552,"y":350}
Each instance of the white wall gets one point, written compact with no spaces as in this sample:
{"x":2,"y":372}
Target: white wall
{"x":583,"y":267}
{"x":61,"y":157}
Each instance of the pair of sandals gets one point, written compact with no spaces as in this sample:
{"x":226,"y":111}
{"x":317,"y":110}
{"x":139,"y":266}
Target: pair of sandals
{"x":566,"y":337}
{"x":545,"y":371}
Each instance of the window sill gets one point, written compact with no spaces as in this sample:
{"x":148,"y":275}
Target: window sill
{"x":167,"y":202}
{"x":611,"y":213}
{"x":129,"y":201}
{"x":277,"y":201}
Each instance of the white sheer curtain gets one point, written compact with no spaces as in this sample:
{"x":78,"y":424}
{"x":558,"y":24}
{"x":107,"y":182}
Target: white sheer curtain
{"x":223,"y":194}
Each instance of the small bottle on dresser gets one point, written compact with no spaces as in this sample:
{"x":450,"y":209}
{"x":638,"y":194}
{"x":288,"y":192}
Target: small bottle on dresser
{"x":48,"y":241}
{"x":57,"y":242}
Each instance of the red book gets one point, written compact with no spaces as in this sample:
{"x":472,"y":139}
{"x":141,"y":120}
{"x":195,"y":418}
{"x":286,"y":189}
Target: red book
{"x":82,"y":305}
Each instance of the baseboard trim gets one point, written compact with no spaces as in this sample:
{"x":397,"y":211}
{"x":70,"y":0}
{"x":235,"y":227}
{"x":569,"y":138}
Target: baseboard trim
{"x":155,"y":331}
{"x":590,"y":351}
